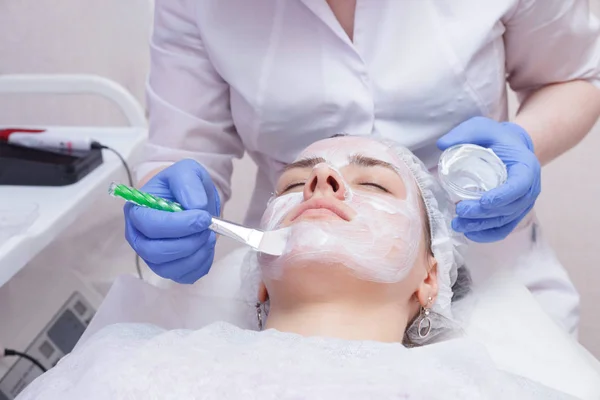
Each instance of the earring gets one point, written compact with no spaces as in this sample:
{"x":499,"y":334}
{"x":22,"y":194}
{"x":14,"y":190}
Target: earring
{"x":259,"y":317}
{"x":424,"y":327}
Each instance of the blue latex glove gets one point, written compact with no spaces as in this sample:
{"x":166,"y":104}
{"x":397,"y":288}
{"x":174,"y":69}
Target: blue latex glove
{"x":176,"y":246}
{"x":500,"y":210}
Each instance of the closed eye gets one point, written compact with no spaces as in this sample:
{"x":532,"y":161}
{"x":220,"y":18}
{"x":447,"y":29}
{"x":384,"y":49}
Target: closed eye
{"x":292,"y":186}
{"x":375,"y":186}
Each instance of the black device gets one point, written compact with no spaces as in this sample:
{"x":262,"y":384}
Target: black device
{"x":25,"y":166}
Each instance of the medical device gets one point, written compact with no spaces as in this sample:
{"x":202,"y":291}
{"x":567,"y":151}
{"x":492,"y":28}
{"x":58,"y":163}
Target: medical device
{"x":269,"y":242}
{"x":24,"y":166}
{"x":44,"y":312}
{"x":46,"y":139}
{"x":467,"y":171}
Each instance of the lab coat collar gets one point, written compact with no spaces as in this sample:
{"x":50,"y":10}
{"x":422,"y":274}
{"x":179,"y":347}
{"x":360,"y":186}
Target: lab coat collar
{"x":322,"y":10}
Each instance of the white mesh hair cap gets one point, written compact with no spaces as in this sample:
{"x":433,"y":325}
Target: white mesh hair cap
{"x":447,"y":246}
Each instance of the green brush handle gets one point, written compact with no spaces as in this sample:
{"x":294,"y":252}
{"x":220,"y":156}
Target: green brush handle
{"x":143,"y":199}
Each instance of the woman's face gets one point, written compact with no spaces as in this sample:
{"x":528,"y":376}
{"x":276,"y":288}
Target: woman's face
{"x":351,"y":202}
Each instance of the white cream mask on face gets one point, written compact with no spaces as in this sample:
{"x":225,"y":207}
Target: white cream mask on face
{"x":378,"y":234}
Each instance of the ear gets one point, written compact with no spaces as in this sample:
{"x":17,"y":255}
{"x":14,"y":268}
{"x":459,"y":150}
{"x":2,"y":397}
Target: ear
{"x":263,"y":295}
{"x":429,"y":286}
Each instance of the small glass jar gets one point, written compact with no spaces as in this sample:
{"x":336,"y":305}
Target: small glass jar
{"x":466,"y":171}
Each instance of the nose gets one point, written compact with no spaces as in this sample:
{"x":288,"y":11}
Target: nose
{"x":324,"y":181}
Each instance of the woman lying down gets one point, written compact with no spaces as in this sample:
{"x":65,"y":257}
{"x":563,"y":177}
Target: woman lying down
{"x":358,"y":307}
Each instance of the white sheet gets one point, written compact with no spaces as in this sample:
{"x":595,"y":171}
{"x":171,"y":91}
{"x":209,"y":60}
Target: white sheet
{"x":522,"y":339}
{"x":518,"y":336}
{"x":223,"y":362}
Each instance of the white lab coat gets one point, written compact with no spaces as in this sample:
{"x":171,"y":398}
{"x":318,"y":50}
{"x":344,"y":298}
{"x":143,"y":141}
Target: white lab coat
{"x":272,"y":76}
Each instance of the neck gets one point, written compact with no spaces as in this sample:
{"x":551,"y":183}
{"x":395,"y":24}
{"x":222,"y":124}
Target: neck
{"x":349,"y":321}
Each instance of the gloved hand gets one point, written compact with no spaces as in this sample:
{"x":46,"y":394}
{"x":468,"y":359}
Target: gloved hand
{"x":500,"y":210}
{"x":177,"y":246}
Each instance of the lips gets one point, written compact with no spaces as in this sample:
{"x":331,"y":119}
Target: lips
{"x":321,"y":204}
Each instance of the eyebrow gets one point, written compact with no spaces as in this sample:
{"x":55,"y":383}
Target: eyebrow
{"x":363,"y":161}
{"x":310,"y":162}
{"x":357,"y":159}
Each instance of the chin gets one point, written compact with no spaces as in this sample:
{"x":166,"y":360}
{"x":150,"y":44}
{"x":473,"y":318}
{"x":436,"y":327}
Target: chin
{"x":321,"y":275}
{"x":329,"y":284}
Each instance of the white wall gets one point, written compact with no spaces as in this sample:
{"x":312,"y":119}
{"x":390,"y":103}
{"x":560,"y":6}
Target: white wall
{"x":104,"y":37}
